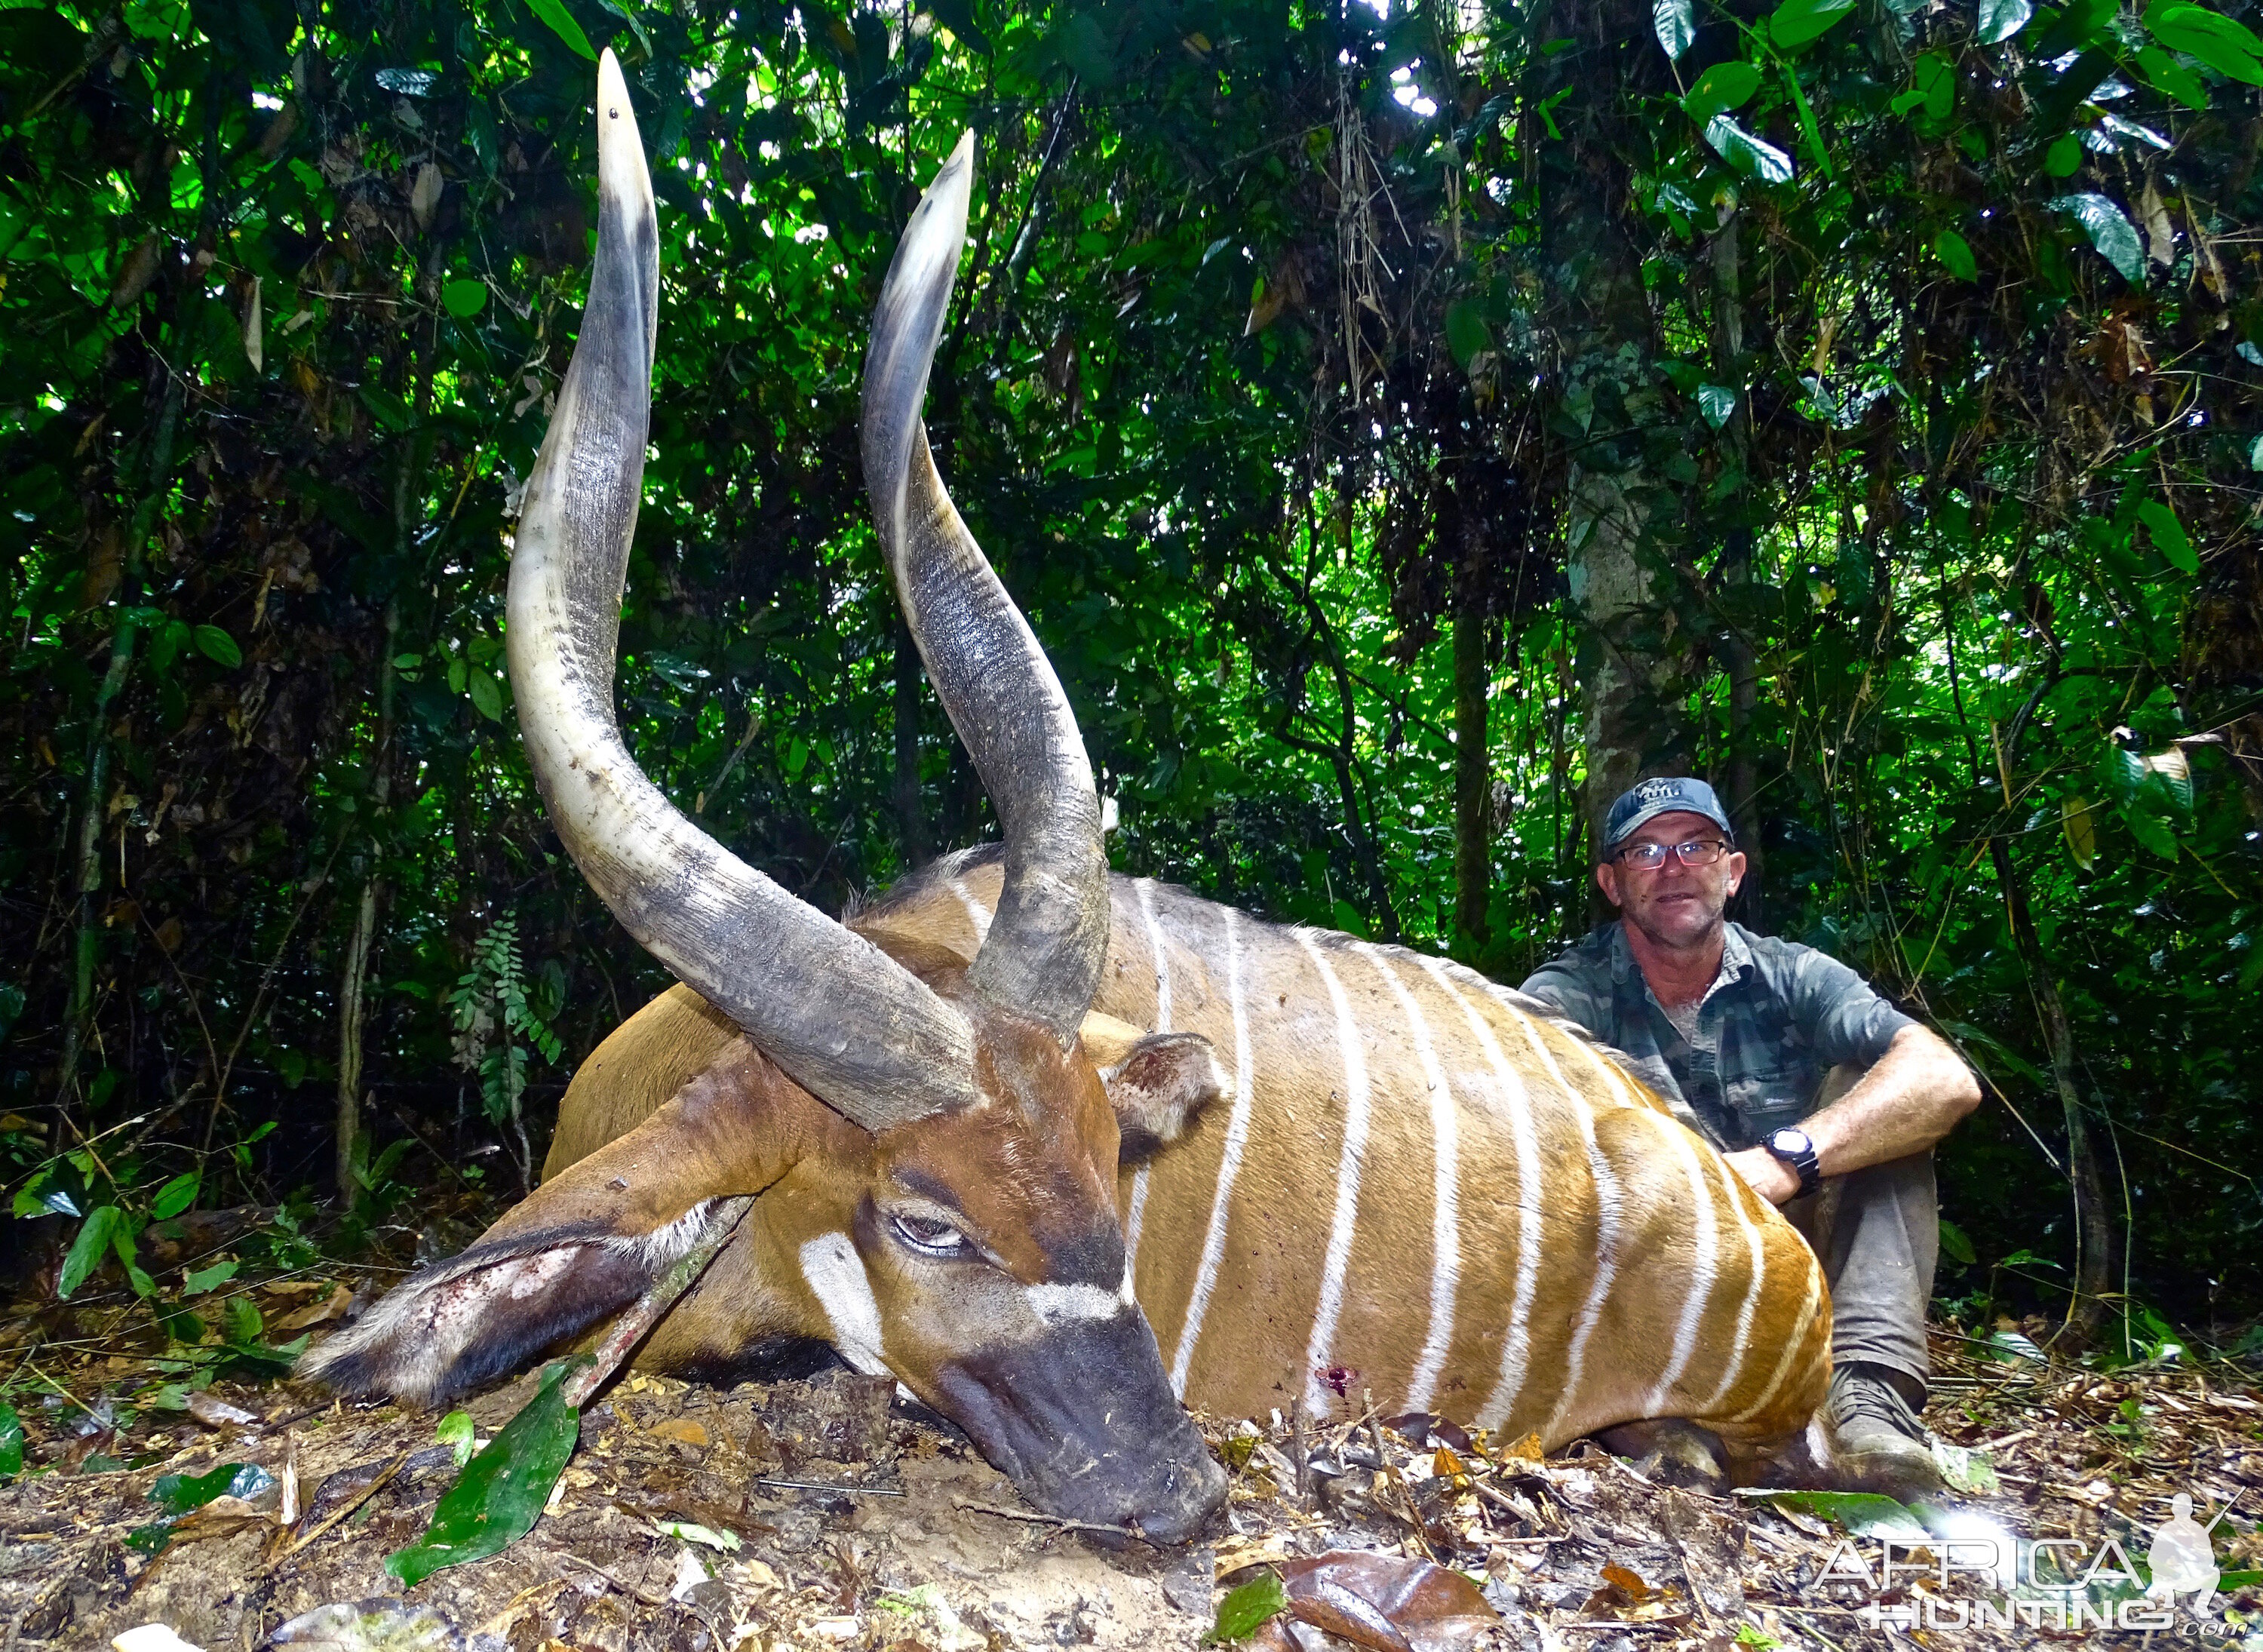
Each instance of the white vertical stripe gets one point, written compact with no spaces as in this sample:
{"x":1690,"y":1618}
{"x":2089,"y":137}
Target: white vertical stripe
{"x":1134,"y":1217}
{"x":1517,"y":1336}
{"x":1607,"y":1222}
{"x":1792,"y":1344}
{"x":1345,"y":1224}
{"x":1740,"y":1344}
{"x":1146,"y":888}
{"x":1705,"y":1268}
{"x":1613,"y":1078}
{"x":1132,"y":1220}
{"x":975,"y":915}
{"x":1229,"y":1166}
{"x":1445,"y":1216}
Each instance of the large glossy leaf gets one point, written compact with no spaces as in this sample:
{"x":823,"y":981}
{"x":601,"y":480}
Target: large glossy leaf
{"x":175,"y":1196}
{"x":1724,"y":87}
{"x":1676,"y":22}
{"x":1955,"y":255}
{"x":2109,"y":230}
{"x":561,"y":23}
{"x":12,"y":1441}
{"x":1796,"y":23}
{"x":2001,"y":19}
{"x":2172,"y":77}
{"x":1746,"y":153}
{"x":88,"y":1249}
{"x":500,"y":1495}
{"x":2224,"y":44}
{"x":2168,"y":536}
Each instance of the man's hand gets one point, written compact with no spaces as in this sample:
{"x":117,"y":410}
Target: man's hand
{"x":1766,"y":1174}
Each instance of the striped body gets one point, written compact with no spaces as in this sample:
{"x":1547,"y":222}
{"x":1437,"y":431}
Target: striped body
{"x":1416,"y":1180}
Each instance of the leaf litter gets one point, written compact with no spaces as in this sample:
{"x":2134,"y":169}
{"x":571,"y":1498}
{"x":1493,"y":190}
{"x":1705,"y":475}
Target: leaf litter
{"x":825,"y":1511}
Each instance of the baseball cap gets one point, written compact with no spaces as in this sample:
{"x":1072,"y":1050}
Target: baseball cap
{"x":1668,"y":794}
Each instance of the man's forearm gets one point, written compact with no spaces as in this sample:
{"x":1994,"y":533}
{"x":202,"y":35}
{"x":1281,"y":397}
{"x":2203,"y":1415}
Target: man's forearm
{"x":1912,"y":1097}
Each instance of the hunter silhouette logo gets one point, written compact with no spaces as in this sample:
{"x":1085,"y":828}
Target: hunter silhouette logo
{"x":2182,"y":1557}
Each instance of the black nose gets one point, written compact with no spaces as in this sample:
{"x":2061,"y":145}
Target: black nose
{"x":1084,"y":1423}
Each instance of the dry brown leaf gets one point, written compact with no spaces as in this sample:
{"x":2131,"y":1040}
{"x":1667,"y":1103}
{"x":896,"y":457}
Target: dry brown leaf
{"x":681,"y":1430}
{"x":1386,"y":1602}
{"x":333,"y":1307}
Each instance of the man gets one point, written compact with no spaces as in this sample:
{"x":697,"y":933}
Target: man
{"x":1737,"y":1033}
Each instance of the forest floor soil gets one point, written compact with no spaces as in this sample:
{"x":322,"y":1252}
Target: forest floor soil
{"x":835,"y":1515}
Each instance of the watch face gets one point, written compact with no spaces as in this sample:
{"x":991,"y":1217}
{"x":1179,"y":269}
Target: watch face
{"x":1790,"y":1141}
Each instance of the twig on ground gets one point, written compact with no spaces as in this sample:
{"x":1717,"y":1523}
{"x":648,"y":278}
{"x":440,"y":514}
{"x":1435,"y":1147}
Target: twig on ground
{"x":633,"y":1592}
{"x":1033,"y":1519}
{"x":846,"y":1491}
{"x":648,"y":1310}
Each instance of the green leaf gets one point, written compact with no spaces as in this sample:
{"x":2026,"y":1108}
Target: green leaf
{"x":178,"y":1493}
{"x":464,"y":299}
{"x":500,"y":1495}
{"x":2079,"y":829}
{"x":1796,"y":23}
{"x":87,"y":1250}
{"x":487,"y":693}
{"x":196,"y":1281}
{"x":455,"y":1433}
{"x":2255,"y":454}
{"x":1724,"y":87}
{"x":1933,"y":88}
{"x":1955,"y":255}
{"x":1746,"y":153}
{"x":217,"y":646}
{"x":2109,"y":230}
{"x":2224,"y":44}
{"x":1676,"y":22}
{"x":1956,"y":1244}
{"x":2001,"y":19}
{"x":2063,"y":156}
{"x":2081,"y":23}
{"x":1716,"y":402}
{"x":1466,"y":334}
{"x":562,"y":24}
{"x":2172,"y":78}
{"x":241,"y":1321}
{"x":2168,"y":536}
{"x":2152,"y":831}
{"x":1971,"y":1472}
{"x":1860,"y":1513}
{"x":1246,"y":1609}
{"x":175,"y":1196}
{"x":12,"y":1441}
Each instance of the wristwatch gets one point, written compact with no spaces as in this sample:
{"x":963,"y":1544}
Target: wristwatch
{"x":1795,"y":1149}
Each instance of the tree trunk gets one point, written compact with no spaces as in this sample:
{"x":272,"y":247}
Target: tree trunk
{"x":2094,"y":1230}
{"x":1472,"y":760}
{"x":360,"y":950}
{"x":1634,"y":676}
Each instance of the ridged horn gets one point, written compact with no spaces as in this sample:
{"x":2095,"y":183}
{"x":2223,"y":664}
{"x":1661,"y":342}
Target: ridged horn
{"x":845,"y":1019}
{"x":1044,"y":952}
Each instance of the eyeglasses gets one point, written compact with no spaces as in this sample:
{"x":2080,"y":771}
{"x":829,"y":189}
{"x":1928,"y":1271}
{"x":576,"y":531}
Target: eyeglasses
{"x":1651,"y":857}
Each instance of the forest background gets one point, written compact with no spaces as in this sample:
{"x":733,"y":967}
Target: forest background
{"x":1403,"y":426}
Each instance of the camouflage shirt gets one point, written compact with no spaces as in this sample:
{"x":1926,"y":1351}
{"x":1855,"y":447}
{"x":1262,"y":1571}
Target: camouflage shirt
{"x":1779,"y":1017}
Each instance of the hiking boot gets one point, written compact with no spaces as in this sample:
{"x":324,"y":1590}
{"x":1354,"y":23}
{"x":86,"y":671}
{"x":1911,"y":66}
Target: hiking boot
{"x":1878,"y":1443}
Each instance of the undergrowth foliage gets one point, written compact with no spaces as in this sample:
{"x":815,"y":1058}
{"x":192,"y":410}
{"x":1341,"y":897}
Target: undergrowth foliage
{"x":1346,"y":396}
